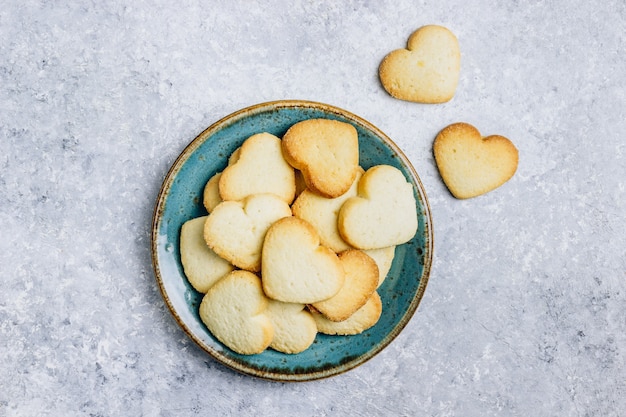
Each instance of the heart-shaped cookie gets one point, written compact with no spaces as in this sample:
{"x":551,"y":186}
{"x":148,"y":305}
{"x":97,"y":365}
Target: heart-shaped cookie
{"x":327,"y":153}
{"x":295,"y":267}
{"x":471,"y":165}
{"x":294,"y":326}
{"x":234,"y":310}
{"x":427,"y":71}
{"x":201,"y":265}
{"x":235,"y":229}
{"x":360,"y":282}
{"x":384,"y":212}
{"x":258,"y":167}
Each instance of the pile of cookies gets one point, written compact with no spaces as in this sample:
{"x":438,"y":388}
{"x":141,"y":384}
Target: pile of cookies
{"x":297,"y":240}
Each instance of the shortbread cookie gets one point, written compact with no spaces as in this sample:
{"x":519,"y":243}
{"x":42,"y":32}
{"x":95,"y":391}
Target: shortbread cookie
{"x":383,"y":214}
{"x":294,"y":327}
{"x":234,"y":310}
{"x":384,"y":259}
{"x":363,"y":319}
{"x":427,"y":71}
{"x":295,"y":268}
{"x":360,"y":282}
{"x":235,"y":229}
{"x":322,"y":213}
{"x":201,"y":265}
{"x":471,"y":165}
{"x":327,"y":153}
{"x":259,"y":168}
{"x":211,"y":195}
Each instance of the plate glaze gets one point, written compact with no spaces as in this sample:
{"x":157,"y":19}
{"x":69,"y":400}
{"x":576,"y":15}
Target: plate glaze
{"x":180,"y":199}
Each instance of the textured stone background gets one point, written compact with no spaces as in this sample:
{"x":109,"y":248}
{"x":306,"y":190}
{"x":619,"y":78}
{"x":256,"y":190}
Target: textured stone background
{"x":525,"y":312}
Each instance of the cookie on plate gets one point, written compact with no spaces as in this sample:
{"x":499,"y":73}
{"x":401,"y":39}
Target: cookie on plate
{"x":363,"y":319}
{"x":235,"y":230}
{"x":258,"y":168}
{"x":326,"y":152}
{"x":294,"y":326}
{"x":295,"y":267}
{"x":360,"y":282}
{"x":427,"y":71}
{"x":201,"y":265}
{"x":234,"y":311}
{"x":470,"y":164}
{"x":382,"y":214}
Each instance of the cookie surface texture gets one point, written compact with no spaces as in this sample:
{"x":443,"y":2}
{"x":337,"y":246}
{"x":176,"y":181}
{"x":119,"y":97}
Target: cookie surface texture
{"x":234,"y":311}
{"x":360,"y":282}
{"x":384,"y":259}
{"x":364,"y":318}
{"x":326,"y":152}
{"x":294,"y":327}
{"x":322,"y":214}
{"x":470,"y":164}
{"x":258,"y":167}
{"x":427,"y":71}
{"x":211,"y":194}
{"x":384,"y":212}
{"x":295,"y":267}
{"x":235,"y":230}
{"x":201,"y":265}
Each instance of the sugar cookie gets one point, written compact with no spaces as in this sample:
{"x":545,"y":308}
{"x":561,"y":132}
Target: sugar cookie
{"x":383,"y":214}
{"x":201,"y":265}
{"x":295,"y":268}
{"x":471,"y":165}
{"x":234,"y":310}
{"x":235,"y":229}
{"x":258,"y":168}
{"x":427,"y":71}
{"x":327,"y":153}
{"x":294,"y":327}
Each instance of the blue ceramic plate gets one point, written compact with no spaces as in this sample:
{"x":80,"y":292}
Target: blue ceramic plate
{"x":180,"y":199}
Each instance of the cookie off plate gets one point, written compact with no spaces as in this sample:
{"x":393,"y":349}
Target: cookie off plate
{"x":180,"y":199}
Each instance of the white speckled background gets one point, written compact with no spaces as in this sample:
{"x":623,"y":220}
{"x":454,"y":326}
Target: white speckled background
{"x":525,"y":312}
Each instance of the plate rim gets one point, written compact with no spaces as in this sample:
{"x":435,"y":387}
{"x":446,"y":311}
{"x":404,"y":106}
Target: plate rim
{"x":159,"y":207}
